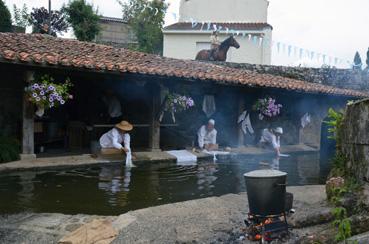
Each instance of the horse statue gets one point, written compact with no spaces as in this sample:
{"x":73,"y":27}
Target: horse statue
{"x":219,"y":53}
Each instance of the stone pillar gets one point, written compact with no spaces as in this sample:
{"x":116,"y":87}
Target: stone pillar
{"x":154,"y":124}
{"x":241,"y":108}
{"x":28,"y":143}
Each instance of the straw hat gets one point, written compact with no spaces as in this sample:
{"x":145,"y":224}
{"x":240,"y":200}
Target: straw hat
{"x":124,"y":125}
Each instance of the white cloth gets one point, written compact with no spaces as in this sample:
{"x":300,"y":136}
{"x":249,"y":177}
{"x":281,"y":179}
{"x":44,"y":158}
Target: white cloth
{"x":114,"y":107}
{"x":305,"y":120}
{"x":208,"y":105}
{"x":245,"y":121}
{"x":184,"y":157}
{"x":206,"y":137}
{"x":270,"y":138}
{"x":114,"y":139}
{"x":129,"y":159}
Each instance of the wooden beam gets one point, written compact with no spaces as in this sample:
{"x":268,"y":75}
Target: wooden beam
{"x":154,"y":124}
{"x":28,"y":143}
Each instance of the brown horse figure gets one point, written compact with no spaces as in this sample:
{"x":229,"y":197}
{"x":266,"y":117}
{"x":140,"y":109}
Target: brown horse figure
{"x":219,"y":53}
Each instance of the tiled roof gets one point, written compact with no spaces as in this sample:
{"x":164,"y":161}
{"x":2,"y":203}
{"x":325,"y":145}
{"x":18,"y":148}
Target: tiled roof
{"x":112,"y":19}
{"x":43,"y":50}
{"x":222,"y":25}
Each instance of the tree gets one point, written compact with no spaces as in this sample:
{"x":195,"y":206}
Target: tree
{"x":367,"y":59}
{"x":357,"y":61}
{"x":5,"y":18}
{"x":83,"y":19}
{"x":40,"y":21}
{"x":146,"y":19}
{"x":21,"y":16}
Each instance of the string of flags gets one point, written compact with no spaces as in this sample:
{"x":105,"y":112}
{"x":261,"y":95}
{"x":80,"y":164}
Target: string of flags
{"x":260,"y":40}
{"x":281,"y":47}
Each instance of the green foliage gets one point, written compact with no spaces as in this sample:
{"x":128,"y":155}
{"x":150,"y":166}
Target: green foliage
{"x":5,"y":18}
{"x":338,"y":165}
{"x":21,"y":16}
{"x":341,"y":220}
{"x":357,"y":61}
{"x":335,"y":124}
{"x":9,"y":149}
{"x":83,"y":19}
{"x":342,"y":223}
{"x":146,"y":19}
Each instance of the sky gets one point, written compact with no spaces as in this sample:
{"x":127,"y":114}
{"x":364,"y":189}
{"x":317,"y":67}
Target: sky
{"x":336,"y":28}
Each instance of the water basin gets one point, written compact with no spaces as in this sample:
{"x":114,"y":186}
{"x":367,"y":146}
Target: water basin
{"x":114,"y":189}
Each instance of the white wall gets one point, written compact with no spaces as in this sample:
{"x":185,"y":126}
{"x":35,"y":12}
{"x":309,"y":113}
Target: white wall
{"x":185,"y":46}
{"x":224,"y":10}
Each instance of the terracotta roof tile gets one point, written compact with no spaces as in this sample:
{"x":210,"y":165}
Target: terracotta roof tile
{"x":237,"y":26}
{"x":46,"y":50}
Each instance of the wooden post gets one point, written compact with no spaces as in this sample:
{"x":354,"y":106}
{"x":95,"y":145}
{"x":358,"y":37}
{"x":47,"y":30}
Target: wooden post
{"x":241,"y":108}
{"x":154,"y":130}
{"x":28,"y":144}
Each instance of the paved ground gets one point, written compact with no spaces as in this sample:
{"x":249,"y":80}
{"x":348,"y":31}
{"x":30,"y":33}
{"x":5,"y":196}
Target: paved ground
{"x":142,"y":157}
{"x":208,"y":220}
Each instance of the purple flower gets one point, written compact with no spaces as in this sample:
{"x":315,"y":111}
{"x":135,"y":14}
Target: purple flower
{"x":38,"y":99}
{"x":62,"y":101}
{"x":42,"y":93}
{"x":51,"y":88}
{"x":43,"y":97}
{"x":34,"y":95}
{"x":51,"y":99}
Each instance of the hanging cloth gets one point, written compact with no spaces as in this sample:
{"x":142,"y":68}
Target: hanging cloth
{"x":305,"y":120}
{"x":244,"y":119}
{"x":208,"y":105}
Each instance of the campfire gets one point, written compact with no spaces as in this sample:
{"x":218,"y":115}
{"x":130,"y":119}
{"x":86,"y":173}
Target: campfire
{"x":269,"y":205}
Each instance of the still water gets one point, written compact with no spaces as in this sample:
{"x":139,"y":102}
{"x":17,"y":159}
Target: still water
{"x":112,"y":190}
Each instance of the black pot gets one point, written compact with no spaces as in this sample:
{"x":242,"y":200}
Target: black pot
{"x":266,"y":191}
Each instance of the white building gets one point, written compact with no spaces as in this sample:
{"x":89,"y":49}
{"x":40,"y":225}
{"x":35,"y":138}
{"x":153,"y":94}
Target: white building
{"x":192,"y":33}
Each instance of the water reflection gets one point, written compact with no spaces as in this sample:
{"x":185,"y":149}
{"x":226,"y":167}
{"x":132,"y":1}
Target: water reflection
{"x":26,"y":180}
{"x":111,"y":179}
{"x":115,"y":189}
{"x":205,"y":176}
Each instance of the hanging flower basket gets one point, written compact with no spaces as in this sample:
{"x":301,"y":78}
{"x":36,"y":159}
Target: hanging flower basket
{"x":46,"y":94}
{"x":175,"y":103}
{"x":267,"y":108}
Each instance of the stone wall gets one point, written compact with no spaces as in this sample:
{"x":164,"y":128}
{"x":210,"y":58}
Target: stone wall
{"x":343,"y":78}
{"x":355,"y":138}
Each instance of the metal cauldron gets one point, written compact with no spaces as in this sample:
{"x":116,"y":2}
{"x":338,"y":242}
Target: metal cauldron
{"x":266,"y":191}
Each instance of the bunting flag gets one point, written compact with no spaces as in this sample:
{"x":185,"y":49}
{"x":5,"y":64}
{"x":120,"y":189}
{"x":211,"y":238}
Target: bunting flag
{"x":262,"y":41}
{"x":174,"y":16}
{"x":255,"y":39}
